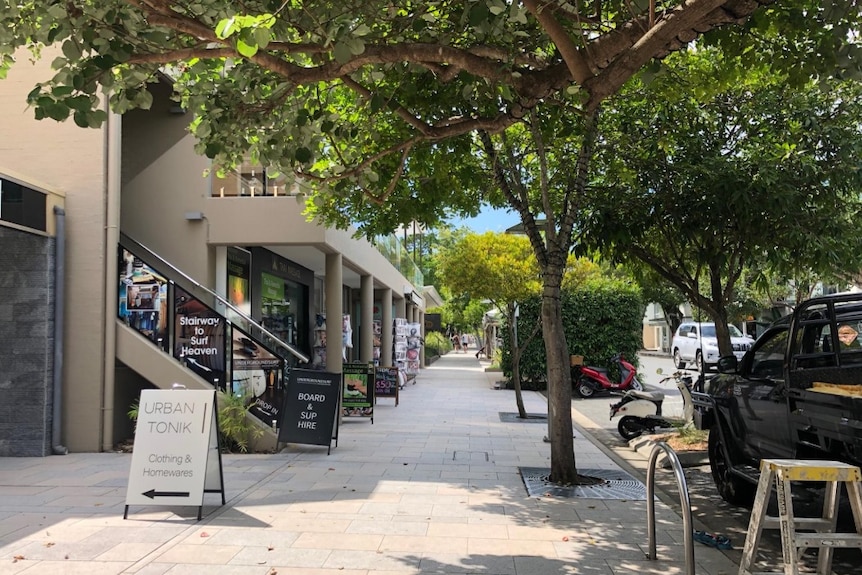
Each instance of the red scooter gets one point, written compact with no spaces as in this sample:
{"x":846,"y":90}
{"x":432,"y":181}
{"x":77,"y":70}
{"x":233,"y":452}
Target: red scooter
{"x":588,"y":380}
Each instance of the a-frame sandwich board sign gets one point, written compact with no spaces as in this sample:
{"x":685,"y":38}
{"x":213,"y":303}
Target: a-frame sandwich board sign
{"x":176,"y":456}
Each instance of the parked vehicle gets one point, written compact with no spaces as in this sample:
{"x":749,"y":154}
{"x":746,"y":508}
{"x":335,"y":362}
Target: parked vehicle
{"x":696,"y":343}
{"x":640,"y":411}
{"x":589,"y":380}
{"x":797,"y":394}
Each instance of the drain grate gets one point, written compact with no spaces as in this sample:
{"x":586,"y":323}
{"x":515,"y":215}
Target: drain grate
{"x":511,"y":417}
{"x":617,"y":484}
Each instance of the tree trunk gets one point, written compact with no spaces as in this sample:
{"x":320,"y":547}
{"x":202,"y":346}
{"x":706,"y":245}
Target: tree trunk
{"x":722,"y":333}
{"x":516,"y":361}
{"x":563,"y":468}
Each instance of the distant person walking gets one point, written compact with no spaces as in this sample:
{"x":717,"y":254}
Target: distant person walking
{"x":465,"y":342}
{"x":456,"y":343}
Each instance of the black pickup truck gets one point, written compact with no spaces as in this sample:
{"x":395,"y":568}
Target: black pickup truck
{"x":796,"y":394}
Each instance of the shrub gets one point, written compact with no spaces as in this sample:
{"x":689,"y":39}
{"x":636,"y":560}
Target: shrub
{"x":600,"y":319}
{"x":436,"y":344}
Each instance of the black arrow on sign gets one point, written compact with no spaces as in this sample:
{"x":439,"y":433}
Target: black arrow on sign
{"x":152,"y":493}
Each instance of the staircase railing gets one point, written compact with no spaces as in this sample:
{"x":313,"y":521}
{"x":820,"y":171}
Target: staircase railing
{"x":182,"y":279}
{"x":205,"y":332}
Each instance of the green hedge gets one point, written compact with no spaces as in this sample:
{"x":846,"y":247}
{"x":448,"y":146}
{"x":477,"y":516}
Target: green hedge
{"x":436,"y":344}
{"x":600,"y":320}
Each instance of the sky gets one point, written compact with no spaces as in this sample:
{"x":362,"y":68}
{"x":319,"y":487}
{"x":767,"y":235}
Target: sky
{"x":489,"y":220}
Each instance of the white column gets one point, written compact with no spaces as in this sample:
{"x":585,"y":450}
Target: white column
{"x":366,"y":319}
{"x":421,"y":320}
{"x":334,"y":310}
{"x":386,"y":322}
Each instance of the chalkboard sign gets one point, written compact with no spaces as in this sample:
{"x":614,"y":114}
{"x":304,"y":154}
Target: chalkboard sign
{"x":357,"y":397}
{"x":386,"y":383}
{"x":310,"y":407}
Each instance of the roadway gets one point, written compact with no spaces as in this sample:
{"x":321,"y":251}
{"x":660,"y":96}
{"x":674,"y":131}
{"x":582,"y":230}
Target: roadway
{"x":707,"y":506}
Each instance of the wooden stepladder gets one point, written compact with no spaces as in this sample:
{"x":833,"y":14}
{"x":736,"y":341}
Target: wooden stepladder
{"x":780,"y":472}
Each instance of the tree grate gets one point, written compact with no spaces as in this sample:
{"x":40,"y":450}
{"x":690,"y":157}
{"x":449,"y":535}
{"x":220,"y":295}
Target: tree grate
{"x":616,"y":484}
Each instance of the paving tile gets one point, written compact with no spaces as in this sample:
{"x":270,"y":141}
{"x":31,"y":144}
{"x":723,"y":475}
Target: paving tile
{"x":284,"y":556}
{"x":76,"y":568}
{"x":420,"y":491}
{"x":199,"y":554}
{"x":373,"y":561}
{"x":418,"y":544}
{"x":455,"y":564}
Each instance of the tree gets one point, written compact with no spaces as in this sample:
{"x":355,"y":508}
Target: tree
{"x":657,"y":289}
{"x":704,"y":186}
{"x":373,"y":105}
{"x":499,"y":268}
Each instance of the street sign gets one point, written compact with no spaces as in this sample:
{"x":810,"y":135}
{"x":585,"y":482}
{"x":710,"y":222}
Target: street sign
{"x":176,"y":455}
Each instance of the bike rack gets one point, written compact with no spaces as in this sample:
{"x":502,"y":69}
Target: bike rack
{"x":688,"y":535}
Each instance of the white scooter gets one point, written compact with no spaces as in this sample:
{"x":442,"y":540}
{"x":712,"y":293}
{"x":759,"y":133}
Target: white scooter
{"x":640,"y":411}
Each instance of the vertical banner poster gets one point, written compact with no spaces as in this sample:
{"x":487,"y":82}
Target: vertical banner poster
{"x":199,"y":337}
{"x":414,"y":345}
{"x":174,"y":460}
{"x":357,"y":397}
{"x":386,"y":383}
{"x":143,"y":297}
{"x":239,"y":278}
{"x":256,"y":374}
{"x":310,"y":407}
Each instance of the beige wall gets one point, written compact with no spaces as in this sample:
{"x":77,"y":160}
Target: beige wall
{"x":71,"y":160}
{"x":163,"y":178}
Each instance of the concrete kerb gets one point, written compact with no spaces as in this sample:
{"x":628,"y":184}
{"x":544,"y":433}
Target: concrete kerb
{"x":635,"y":461}
{"x":645,"y":444}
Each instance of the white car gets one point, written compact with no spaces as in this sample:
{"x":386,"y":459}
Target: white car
{"x":695,"y":343}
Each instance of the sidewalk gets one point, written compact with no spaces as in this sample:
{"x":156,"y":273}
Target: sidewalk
{"x":432,"y":486}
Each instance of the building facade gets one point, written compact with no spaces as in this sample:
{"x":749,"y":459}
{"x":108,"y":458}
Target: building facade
{"x":143,"y":234}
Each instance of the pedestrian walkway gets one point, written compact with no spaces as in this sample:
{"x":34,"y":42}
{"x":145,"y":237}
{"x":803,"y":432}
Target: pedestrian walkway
{"x":432,"y":486}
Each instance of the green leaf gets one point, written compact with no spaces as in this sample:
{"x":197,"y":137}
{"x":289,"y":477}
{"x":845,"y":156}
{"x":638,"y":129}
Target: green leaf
{"x":57,"y":111}
{"x":212,"y":150}
{"x":61,"y":91}
{"x":262,"y":36}
{"x":377,"y":103}
{"x":246,"y":50}
{"x":478,"y":14}
{"x":302,"y":155}
{"x":342,"y":53}
{"x":81,"y":119}
{"x":71,"y":50}
{"x":356,"y":46}
{"x":57,"y":12}
{"x":226,"y":28}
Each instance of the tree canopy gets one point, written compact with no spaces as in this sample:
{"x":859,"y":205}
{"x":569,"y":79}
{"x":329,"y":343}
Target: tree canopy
{"x":393,"y":111}
{"x":706,"y":183}
{"x":358,"y":93}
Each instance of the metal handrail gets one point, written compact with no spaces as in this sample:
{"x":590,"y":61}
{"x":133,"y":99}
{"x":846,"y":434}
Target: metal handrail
{"x":688,"y":535}
{"x":126,"y":240}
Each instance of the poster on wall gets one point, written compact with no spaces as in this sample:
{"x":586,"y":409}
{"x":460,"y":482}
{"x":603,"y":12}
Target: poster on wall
{"x":357,"y":396}
{"x":199,"y":337}
{"x":143,"y":296}
{"x":238,"y":279}
{"x":256,"y":374}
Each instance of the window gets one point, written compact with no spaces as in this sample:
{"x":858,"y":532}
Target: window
{"x":767,"y":361}
{"x":22,"y":205}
